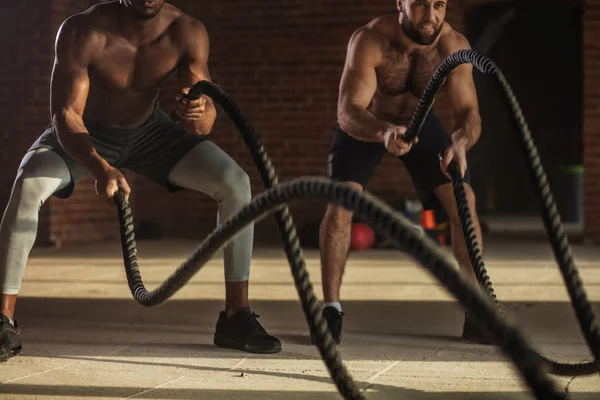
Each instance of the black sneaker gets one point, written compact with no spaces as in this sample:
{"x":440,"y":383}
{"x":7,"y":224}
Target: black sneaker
{"x":333,"y":317}
{"x":472,"y":331}
{"x":10,"y":343}
{"x":242,"y":331}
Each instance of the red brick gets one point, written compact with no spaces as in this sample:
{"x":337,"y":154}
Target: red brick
{"x":281,"y":64}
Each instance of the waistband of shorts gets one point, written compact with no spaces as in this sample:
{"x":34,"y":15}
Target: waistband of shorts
{"x":157,"y":115}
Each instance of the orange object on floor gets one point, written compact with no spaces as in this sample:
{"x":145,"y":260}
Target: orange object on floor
{"x":428,"y":220}
{"x":428,"y":224}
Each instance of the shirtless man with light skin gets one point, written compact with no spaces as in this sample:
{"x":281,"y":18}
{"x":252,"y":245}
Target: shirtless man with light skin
{"x":389,"y":62}
{"x":111,"y":62}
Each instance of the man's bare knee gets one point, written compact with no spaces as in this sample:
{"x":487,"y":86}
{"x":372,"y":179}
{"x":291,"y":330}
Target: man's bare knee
{"x":338,"y":217}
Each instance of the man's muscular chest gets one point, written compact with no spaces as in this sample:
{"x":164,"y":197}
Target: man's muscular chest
{"x":403,"y":73}
{"x":123,"y":67}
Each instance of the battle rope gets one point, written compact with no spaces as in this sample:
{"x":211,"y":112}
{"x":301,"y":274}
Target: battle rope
{"x":289,"y":237}
{"x":558,"y":239}
{"x":385,"y":221}
{"x":527,"y":360}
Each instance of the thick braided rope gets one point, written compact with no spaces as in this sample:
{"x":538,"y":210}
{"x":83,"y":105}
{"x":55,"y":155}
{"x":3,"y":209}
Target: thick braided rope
{"x":386,"y":222}
{"x":558,"y":239}
{"x":471,"y":238}
{"x":293,"y":251}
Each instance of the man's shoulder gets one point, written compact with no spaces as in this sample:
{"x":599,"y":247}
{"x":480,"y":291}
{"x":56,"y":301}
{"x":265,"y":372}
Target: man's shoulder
{"x":376,"y":33}
{"x":96,"y":19}
{"x":452,"y":40}
{"x":382,"y":27}
{"x":185,"y":24}
{"x":85,"y":28}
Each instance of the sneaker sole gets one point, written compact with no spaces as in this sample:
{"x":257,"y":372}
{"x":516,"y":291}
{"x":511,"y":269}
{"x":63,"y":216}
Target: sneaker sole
{"x":227,"y":343}
{"x":6,"y":354}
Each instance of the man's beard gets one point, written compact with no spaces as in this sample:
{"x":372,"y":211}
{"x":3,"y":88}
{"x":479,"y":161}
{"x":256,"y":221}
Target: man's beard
{"x":416,"y":36}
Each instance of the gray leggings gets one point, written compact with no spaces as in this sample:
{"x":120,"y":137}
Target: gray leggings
{"x":206,"y":168}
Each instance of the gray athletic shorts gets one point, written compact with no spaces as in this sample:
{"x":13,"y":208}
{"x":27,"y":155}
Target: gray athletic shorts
{"x":151,"y":149}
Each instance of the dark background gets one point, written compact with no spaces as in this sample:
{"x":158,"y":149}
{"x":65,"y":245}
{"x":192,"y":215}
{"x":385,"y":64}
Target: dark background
{"x":282,"y":61}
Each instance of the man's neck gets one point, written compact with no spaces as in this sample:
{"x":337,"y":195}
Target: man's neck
{"x":136,"y":30}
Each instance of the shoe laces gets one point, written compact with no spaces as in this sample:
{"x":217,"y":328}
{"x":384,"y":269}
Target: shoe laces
{"x":251,"y":321}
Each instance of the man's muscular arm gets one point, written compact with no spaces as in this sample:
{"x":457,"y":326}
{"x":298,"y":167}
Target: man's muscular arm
{"x":357,"y":87}
{"x":463,"y":99}
{"x":69,"y":88}
{"x":198,"y":116}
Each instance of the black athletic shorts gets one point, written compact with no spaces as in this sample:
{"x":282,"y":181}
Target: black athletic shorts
{"x":152,"y":149}
{"x":354,"y":160}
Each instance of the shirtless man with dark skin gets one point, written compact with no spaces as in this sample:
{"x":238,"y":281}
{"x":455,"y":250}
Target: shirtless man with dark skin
{"x":388,"y":65}
{"x":110,"y":64}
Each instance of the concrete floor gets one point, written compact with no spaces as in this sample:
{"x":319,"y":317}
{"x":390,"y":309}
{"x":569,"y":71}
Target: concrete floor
{"x":86,"y":338}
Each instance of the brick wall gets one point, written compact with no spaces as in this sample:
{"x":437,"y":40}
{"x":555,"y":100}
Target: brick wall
{"x":24,"y":71}
{"x":591,"y":128}
{"x":281,"y":63}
